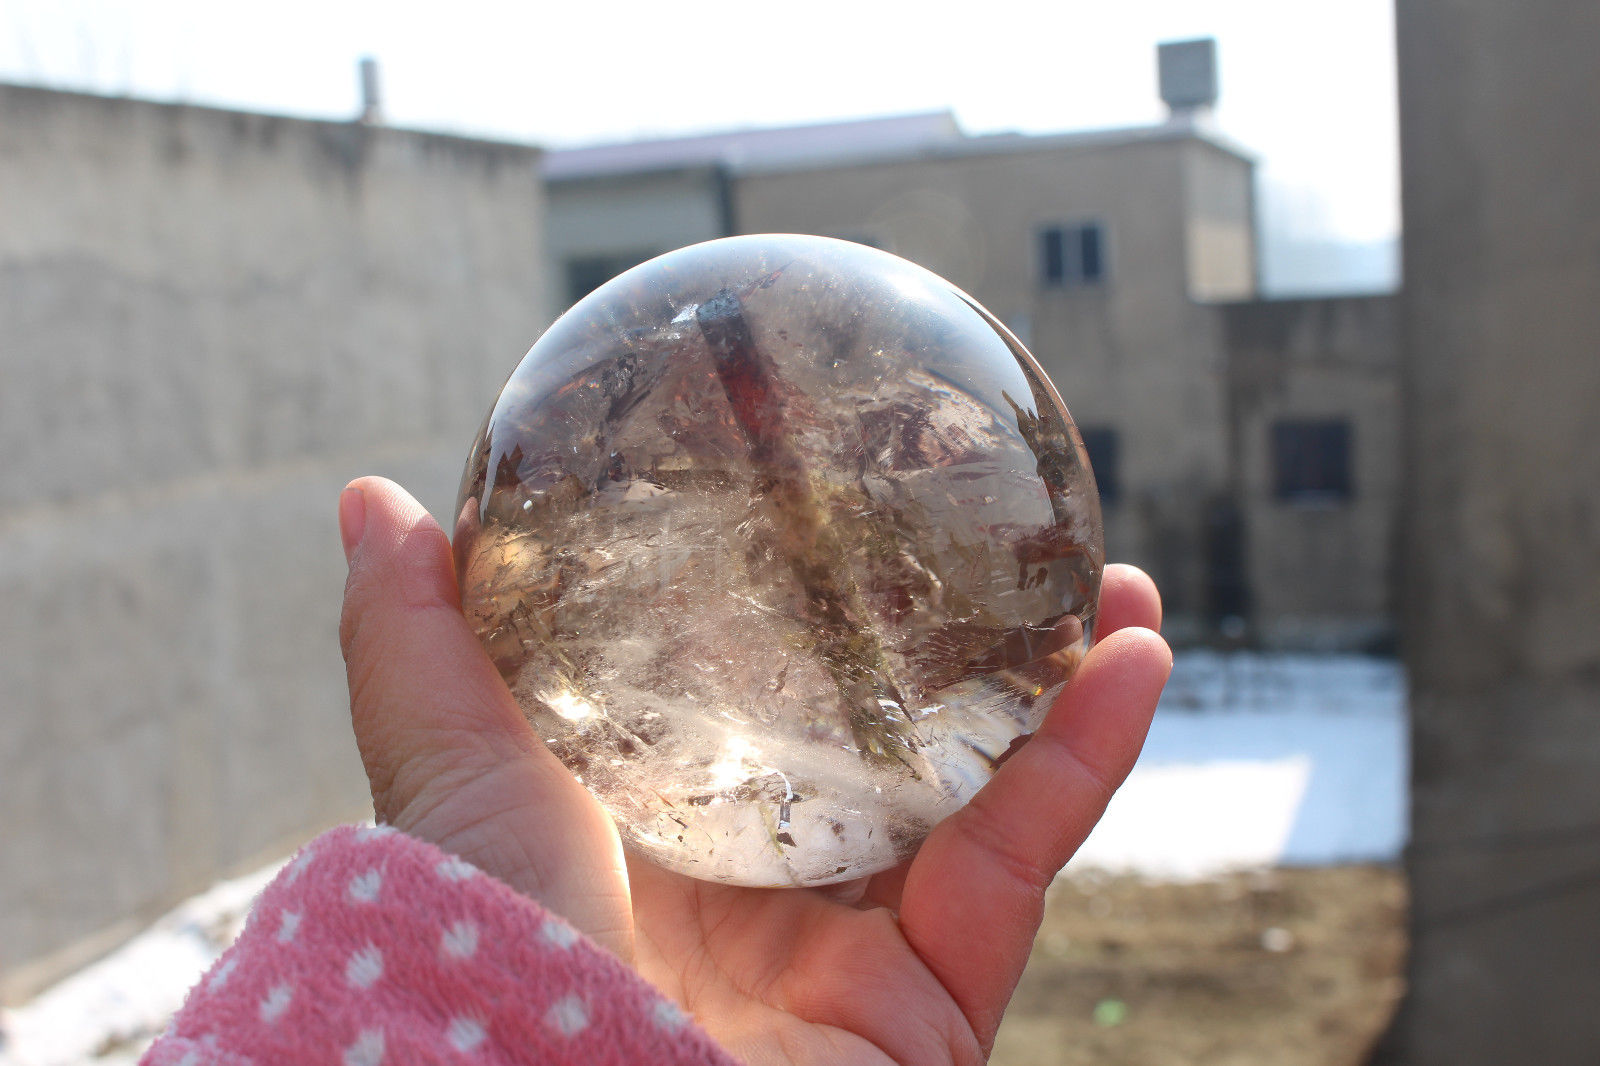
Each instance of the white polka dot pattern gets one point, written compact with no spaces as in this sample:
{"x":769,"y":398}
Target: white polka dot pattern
{"x":292,"y":873}
{"x":276,"y":1002}
{"x":558,"y":934}
{"x":364,"y":967}
{"x":220,"y":975}
{"x":567,"y":1016}
{"x":464,"y":1033}
{"x":459,"y":941}
{"x":364,"y":887}
{"x":668,"y":1016}
{"x":367,"y":1049}
{"x":375,"y":949}
{"x":288,"y":926}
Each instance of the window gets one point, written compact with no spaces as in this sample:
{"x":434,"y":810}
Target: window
{"x":1101,"y":444}
{"x":1072,"y":257}
{"x":586,"y":273}
{"x":1311,"y":461}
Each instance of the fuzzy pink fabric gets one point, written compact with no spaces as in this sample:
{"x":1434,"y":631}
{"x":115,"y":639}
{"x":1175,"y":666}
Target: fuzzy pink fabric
{"x":372,"y":948}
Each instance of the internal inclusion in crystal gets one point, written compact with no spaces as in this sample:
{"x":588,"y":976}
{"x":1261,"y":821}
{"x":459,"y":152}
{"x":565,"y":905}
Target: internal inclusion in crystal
{"x":782,"y":544}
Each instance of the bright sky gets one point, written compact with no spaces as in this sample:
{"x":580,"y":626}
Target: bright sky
{"x":1308,"y":87}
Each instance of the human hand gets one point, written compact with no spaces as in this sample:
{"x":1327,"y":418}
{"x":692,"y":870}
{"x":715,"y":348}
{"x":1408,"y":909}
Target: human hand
{"x":914,"y":965}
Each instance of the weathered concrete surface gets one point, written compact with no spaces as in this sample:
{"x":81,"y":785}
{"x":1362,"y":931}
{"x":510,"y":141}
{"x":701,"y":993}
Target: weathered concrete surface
{"x":1501,"y":162}
{"x":209,"y":322}
{"x":1320,"y":573}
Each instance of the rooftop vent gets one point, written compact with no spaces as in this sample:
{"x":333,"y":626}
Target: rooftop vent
{"x":1188,"y":76}
{"x":371,"y":103}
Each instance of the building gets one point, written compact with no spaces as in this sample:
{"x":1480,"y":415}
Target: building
{"x":1314,"y":428}
{"x":1244,"y":448}
{"x":614,"y":206}
{"x":1090,"y":246}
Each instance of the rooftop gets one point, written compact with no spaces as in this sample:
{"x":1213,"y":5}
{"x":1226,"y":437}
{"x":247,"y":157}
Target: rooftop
{"x":774,"y":145}
{"x":928,"y":135}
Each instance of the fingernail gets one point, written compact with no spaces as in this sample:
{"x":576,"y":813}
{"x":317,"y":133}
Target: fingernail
{"x":352,"y":519}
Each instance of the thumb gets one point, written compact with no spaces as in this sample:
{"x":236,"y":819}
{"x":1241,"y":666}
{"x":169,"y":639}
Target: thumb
{"x":448,"y":754}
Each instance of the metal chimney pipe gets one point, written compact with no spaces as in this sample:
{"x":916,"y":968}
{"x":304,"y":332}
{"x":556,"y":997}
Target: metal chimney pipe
{"x":371,"y":103}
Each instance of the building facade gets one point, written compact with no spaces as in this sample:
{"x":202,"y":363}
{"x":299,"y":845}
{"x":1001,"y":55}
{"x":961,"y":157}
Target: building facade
{"x":1314,"y":423}
{"x":1244,"y":448}
{"x":614,"y":206}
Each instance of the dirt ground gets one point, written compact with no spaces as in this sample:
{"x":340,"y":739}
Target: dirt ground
{"x":1294,"y":967}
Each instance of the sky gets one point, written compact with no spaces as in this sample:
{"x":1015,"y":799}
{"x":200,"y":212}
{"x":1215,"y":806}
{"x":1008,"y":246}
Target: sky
{"x":1308,"y":88}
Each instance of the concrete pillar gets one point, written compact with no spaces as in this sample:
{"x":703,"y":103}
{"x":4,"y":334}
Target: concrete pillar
{"x":1501,"y":556}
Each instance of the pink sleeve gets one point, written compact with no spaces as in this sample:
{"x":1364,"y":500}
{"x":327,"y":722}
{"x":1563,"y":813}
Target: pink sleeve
{"x":372,"y":948}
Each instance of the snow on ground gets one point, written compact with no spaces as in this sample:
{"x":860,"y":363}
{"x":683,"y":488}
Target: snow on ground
{"x":1253,"y":760}
{"x":108,"y":1012}
{"x":1258,"y":760}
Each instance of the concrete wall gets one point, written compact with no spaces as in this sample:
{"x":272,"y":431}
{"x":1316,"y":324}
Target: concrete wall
{"x":1320,"y":572}
{"x":1135,"y":354}
{"x":1500,"y":166}
{"x":208,"y":323}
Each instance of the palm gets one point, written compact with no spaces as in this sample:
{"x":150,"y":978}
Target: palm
{"x":785,"y":976}
{"x":914,"y":965}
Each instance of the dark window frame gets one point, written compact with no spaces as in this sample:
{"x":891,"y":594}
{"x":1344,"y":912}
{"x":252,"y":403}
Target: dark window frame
{"x":1072,"y":255}
{"x":1104,"y":447}
{"x":587,"y":272}
{"x":1312,"y":460}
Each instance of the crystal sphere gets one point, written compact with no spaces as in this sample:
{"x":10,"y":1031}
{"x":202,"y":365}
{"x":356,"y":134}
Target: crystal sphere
{"x":782,"y":543}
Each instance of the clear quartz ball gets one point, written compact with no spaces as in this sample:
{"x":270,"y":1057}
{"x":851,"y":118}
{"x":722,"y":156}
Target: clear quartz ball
{"x":782,"y":543}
